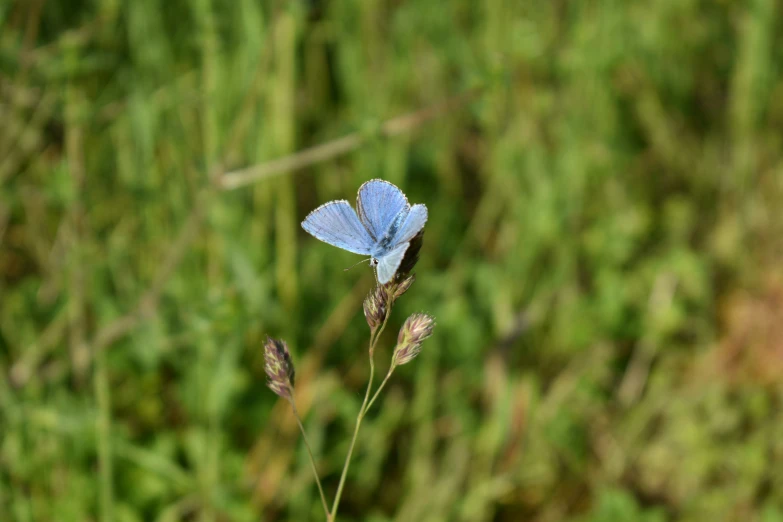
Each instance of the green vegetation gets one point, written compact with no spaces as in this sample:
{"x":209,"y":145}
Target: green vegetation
{"x":602,"y":257}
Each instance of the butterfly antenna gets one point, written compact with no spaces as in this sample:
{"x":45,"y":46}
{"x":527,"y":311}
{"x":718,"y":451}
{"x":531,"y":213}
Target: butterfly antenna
{"x":357,"y":263}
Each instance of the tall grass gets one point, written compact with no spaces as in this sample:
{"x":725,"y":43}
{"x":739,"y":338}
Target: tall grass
{"x":602,"y":256}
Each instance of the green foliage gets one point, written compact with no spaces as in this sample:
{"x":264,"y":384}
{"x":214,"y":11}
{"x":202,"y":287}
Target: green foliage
{"x":600,"y":257}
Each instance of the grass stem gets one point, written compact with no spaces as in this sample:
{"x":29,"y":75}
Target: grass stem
{"x":380,"y":388}
{"x":312,"y":460}
{"x":374,"y":336}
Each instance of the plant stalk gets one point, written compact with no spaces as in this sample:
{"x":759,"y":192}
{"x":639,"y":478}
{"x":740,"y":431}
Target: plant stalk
{"x":374,"y":336}
{"x":312,"y":460}
{"x":380,"y":388}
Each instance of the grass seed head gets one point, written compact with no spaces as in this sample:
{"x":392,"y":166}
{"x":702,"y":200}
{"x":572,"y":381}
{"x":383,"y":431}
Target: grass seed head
{"x":279,"y":368}
{"x":403,"y":286}
{"x":375,"y":306}
{"x":414,"y":331}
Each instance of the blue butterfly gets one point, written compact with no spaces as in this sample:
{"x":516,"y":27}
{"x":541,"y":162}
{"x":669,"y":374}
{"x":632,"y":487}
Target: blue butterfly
{"x":385,"y":224}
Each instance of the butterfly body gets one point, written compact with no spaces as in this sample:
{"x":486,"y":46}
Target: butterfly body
{"x":381,"y":227}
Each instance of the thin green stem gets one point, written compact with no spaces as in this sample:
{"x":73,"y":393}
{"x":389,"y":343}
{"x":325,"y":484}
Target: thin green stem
{"x":374,"y":336}
{"x":103,"y":435}
{"x":353,"y":439}
{"x":378,"y":391}
{"x":312,"y":460}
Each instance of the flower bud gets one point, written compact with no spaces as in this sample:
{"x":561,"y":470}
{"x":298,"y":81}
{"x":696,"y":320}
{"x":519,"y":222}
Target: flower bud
{"x":416,"y":329}
{"x":375,"y":307}
{"x":279,"y":368}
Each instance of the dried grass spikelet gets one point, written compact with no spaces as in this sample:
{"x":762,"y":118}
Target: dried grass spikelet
{"x":414,"y":331}
{"x":375,"y":306}
{"x":279,"y":368}
{"x":403,"y":286}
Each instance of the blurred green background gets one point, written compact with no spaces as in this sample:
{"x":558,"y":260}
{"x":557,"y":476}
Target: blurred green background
{"x":604,"y":181}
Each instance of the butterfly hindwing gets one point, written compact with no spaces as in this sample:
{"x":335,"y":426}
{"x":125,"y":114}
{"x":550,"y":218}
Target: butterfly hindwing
{"x":336,"y":223}
{"x":405,"y":226}
{"x":389,"y":263}
{"x":412,"y":225}
{"x":378,"y":203}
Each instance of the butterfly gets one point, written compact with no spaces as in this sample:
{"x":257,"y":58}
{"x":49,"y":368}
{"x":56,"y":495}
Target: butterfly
{"x":382,"y":229}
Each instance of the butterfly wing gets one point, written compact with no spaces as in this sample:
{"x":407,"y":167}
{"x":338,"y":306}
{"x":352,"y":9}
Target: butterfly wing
{"x":378,"y":203}
{"x":336,"y":223}
{"x":389,"y":263}
{"x":412,"y":225}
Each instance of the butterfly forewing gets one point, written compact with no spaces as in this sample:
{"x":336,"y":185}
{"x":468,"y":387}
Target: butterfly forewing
{"x":336,"y":223}
{"x":378,"y":203}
